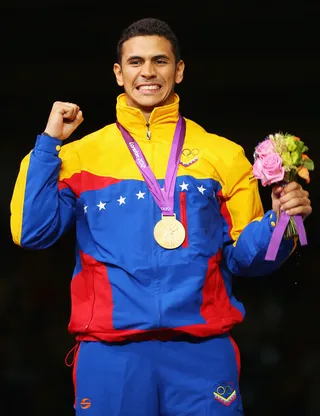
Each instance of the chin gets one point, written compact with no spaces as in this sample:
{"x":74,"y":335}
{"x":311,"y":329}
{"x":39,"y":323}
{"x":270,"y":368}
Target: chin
{"x":150,"y":102}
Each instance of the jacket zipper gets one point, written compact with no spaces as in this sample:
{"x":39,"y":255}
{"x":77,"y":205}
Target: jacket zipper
{"x":183,"y":216}
{"x":148,"y":131}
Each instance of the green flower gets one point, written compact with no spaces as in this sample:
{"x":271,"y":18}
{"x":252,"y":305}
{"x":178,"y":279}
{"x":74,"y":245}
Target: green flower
{"x":296,"y":158}
{"x":291,"y":143}
{"x":286,"y":159}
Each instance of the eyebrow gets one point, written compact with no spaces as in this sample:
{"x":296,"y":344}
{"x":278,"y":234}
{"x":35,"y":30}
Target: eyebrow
{"x":154,"y":58}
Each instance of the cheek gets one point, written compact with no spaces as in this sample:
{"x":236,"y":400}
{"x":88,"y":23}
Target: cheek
{"x":129,"y":78}
{"x":169,"y":80}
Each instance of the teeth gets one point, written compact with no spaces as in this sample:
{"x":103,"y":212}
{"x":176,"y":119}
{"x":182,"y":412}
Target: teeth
{"x":149,"y":87}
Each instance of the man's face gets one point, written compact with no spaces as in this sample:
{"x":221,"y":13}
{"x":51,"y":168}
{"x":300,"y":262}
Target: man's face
{"x":148,"y":72}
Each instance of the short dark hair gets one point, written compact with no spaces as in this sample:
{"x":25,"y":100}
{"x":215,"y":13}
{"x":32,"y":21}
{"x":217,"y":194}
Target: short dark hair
{"x":149,"y":27}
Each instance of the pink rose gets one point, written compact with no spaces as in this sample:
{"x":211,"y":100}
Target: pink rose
{"x":265,"y":148}
{"x":268,"y":169}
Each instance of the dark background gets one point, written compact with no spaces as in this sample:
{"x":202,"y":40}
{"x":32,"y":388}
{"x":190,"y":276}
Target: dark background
{"x":252,"y":68}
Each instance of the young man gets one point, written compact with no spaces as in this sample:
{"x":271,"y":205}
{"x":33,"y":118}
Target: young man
{"x":165,"y":214}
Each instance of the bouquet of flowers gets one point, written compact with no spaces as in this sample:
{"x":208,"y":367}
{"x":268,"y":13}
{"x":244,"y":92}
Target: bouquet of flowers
{"x":279,"y":159}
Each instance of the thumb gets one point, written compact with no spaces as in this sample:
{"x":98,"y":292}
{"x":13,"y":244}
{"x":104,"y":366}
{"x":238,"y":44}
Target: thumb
{"x":70,"y":127}
{"x":277,"y":190}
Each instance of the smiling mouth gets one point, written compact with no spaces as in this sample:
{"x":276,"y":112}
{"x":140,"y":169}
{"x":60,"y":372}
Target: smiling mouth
{"x":149,"y":89}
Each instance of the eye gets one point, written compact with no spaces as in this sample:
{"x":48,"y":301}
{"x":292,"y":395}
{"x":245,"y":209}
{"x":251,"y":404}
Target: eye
{"x":135,"y":62}
{"x":161,"y":62}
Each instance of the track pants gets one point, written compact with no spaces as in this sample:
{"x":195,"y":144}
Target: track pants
{"x":183,"y":377}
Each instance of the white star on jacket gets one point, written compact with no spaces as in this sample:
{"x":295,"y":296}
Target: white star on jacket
{"x":101,"y":205}
{"x":140,"y":195}
{"x":201,"y":189}
{"x":184,"y":186}
{"x":121,"y":200}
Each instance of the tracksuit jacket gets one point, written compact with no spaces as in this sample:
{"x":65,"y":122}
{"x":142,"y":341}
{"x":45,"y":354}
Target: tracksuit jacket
{"x":125,"y":285}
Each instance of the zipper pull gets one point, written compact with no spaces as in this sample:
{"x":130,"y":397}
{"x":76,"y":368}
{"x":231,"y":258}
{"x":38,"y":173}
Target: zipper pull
{"x":148,"y":131}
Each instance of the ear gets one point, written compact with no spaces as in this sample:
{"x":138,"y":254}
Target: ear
{"x":118,"y":73}
{"x":179,"y":72}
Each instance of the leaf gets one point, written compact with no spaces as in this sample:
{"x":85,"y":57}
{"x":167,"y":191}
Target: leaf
{"x":308,"y":163}
{"x":300,"y":146}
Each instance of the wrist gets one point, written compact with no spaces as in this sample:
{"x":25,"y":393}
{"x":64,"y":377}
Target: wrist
{"x":47,"y":143}
{"x":45,"y":133}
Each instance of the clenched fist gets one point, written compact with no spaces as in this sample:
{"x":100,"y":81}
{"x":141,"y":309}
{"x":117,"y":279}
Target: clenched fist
{"x":292,"y":199}
{"x":64,"y":118}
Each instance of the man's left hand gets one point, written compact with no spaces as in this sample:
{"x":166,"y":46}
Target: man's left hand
{"x":292,"y":199}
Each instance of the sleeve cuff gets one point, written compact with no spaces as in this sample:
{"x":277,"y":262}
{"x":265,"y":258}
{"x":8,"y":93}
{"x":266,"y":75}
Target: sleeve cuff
{"x":272,"y":216}
{"x":48,"y":144}
{"x":272,"y":222}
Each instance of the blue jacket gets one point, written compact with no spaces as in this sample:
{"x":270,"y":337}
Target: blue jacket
{"x":124,"y":284}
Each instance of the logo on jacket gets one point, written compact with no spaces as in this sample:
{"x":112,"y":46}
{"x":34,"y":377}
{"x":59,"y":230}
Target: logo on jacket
{"x":85,"y":403}
{"x":189,"y":157}
{"x":225,"y":393}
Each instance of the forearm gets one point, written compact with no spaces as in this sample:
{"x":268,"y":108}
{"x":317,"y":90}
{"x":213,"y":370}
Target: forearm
{"x":246,"y":257}
{"x":39,"y":212}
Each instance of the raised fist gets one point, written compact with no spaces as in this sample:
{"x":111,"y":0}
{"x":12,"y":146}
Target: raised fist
{"x":64,"y":118}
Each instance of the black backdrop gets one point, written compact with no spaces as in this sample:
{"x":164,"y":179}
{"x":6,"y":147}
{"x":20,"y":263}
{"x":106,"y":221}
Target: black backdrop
{"x":251,"y":69}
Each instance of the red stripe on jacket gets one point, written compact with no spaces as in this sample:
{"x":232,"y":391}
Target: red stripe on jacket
{"x":90,"y":292}
{"x":183,"y":216}
{"x":225,"y":212}
{"x":90,"y":295}
{"x":85,"y":181}
{"x":220,"y":315}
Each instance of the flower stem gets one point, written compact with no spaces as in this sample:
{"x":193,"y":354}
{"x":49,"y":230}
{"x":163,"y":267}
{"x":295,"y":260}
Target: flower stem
{"x":291,"y":230}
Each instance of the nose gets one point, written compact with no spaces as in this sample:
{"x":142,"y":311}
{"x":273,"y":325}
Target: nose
{"x":148,"y":70}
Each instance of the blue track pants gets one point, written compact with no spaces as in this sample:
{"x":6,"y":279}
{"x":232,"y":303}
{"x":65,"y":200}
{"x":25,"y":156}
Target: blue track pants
{"x":183,"y":377}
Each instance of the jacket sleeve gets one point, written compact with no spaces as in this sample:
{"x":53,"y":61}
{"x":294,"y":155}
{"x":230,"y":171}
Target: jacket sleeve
{"x":247,"y":229}
{"x":41,"y":209}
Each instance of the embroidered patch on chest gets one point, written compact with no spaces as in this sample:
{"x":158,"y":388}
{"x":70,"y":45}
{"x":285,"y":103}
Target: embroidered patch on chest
{"x":225,"y":394}
{"x":189,"y":157}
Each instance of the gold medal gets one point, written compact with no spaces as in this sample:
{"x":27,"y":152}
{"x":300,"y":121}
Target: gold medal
{"x":169,"y":232}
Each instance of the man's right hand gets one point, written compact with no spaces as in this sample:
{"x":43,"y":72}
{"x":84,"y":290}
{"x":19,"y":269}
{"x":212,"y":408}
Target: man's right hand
{"x":64,"y":118}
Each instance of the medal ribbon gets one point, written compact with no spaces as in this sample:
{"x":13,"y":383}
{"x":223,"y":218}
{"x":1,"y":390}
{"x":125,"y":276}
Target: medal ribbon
{"x":165,"y":198}
{"x":278,"y":232}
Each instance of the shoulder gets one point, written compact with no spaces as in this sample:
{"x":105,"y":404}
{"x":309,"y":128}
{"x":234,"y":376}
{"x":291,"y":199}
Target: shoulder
{"x":89,"y":142}
{"x":218,"y":146}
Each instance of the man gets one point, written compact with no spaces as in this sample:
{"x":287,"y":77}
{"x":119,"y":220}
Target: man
{"x":165,"y":214}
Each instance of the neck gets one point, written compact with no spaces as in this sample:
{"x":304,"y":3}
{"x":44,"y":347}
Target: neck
{"x":146,"y":111}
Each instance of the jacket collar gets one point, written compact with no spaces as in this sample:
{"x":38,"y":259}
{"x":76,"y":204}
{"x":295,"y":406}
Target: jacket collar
{"x":134,"y":122}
